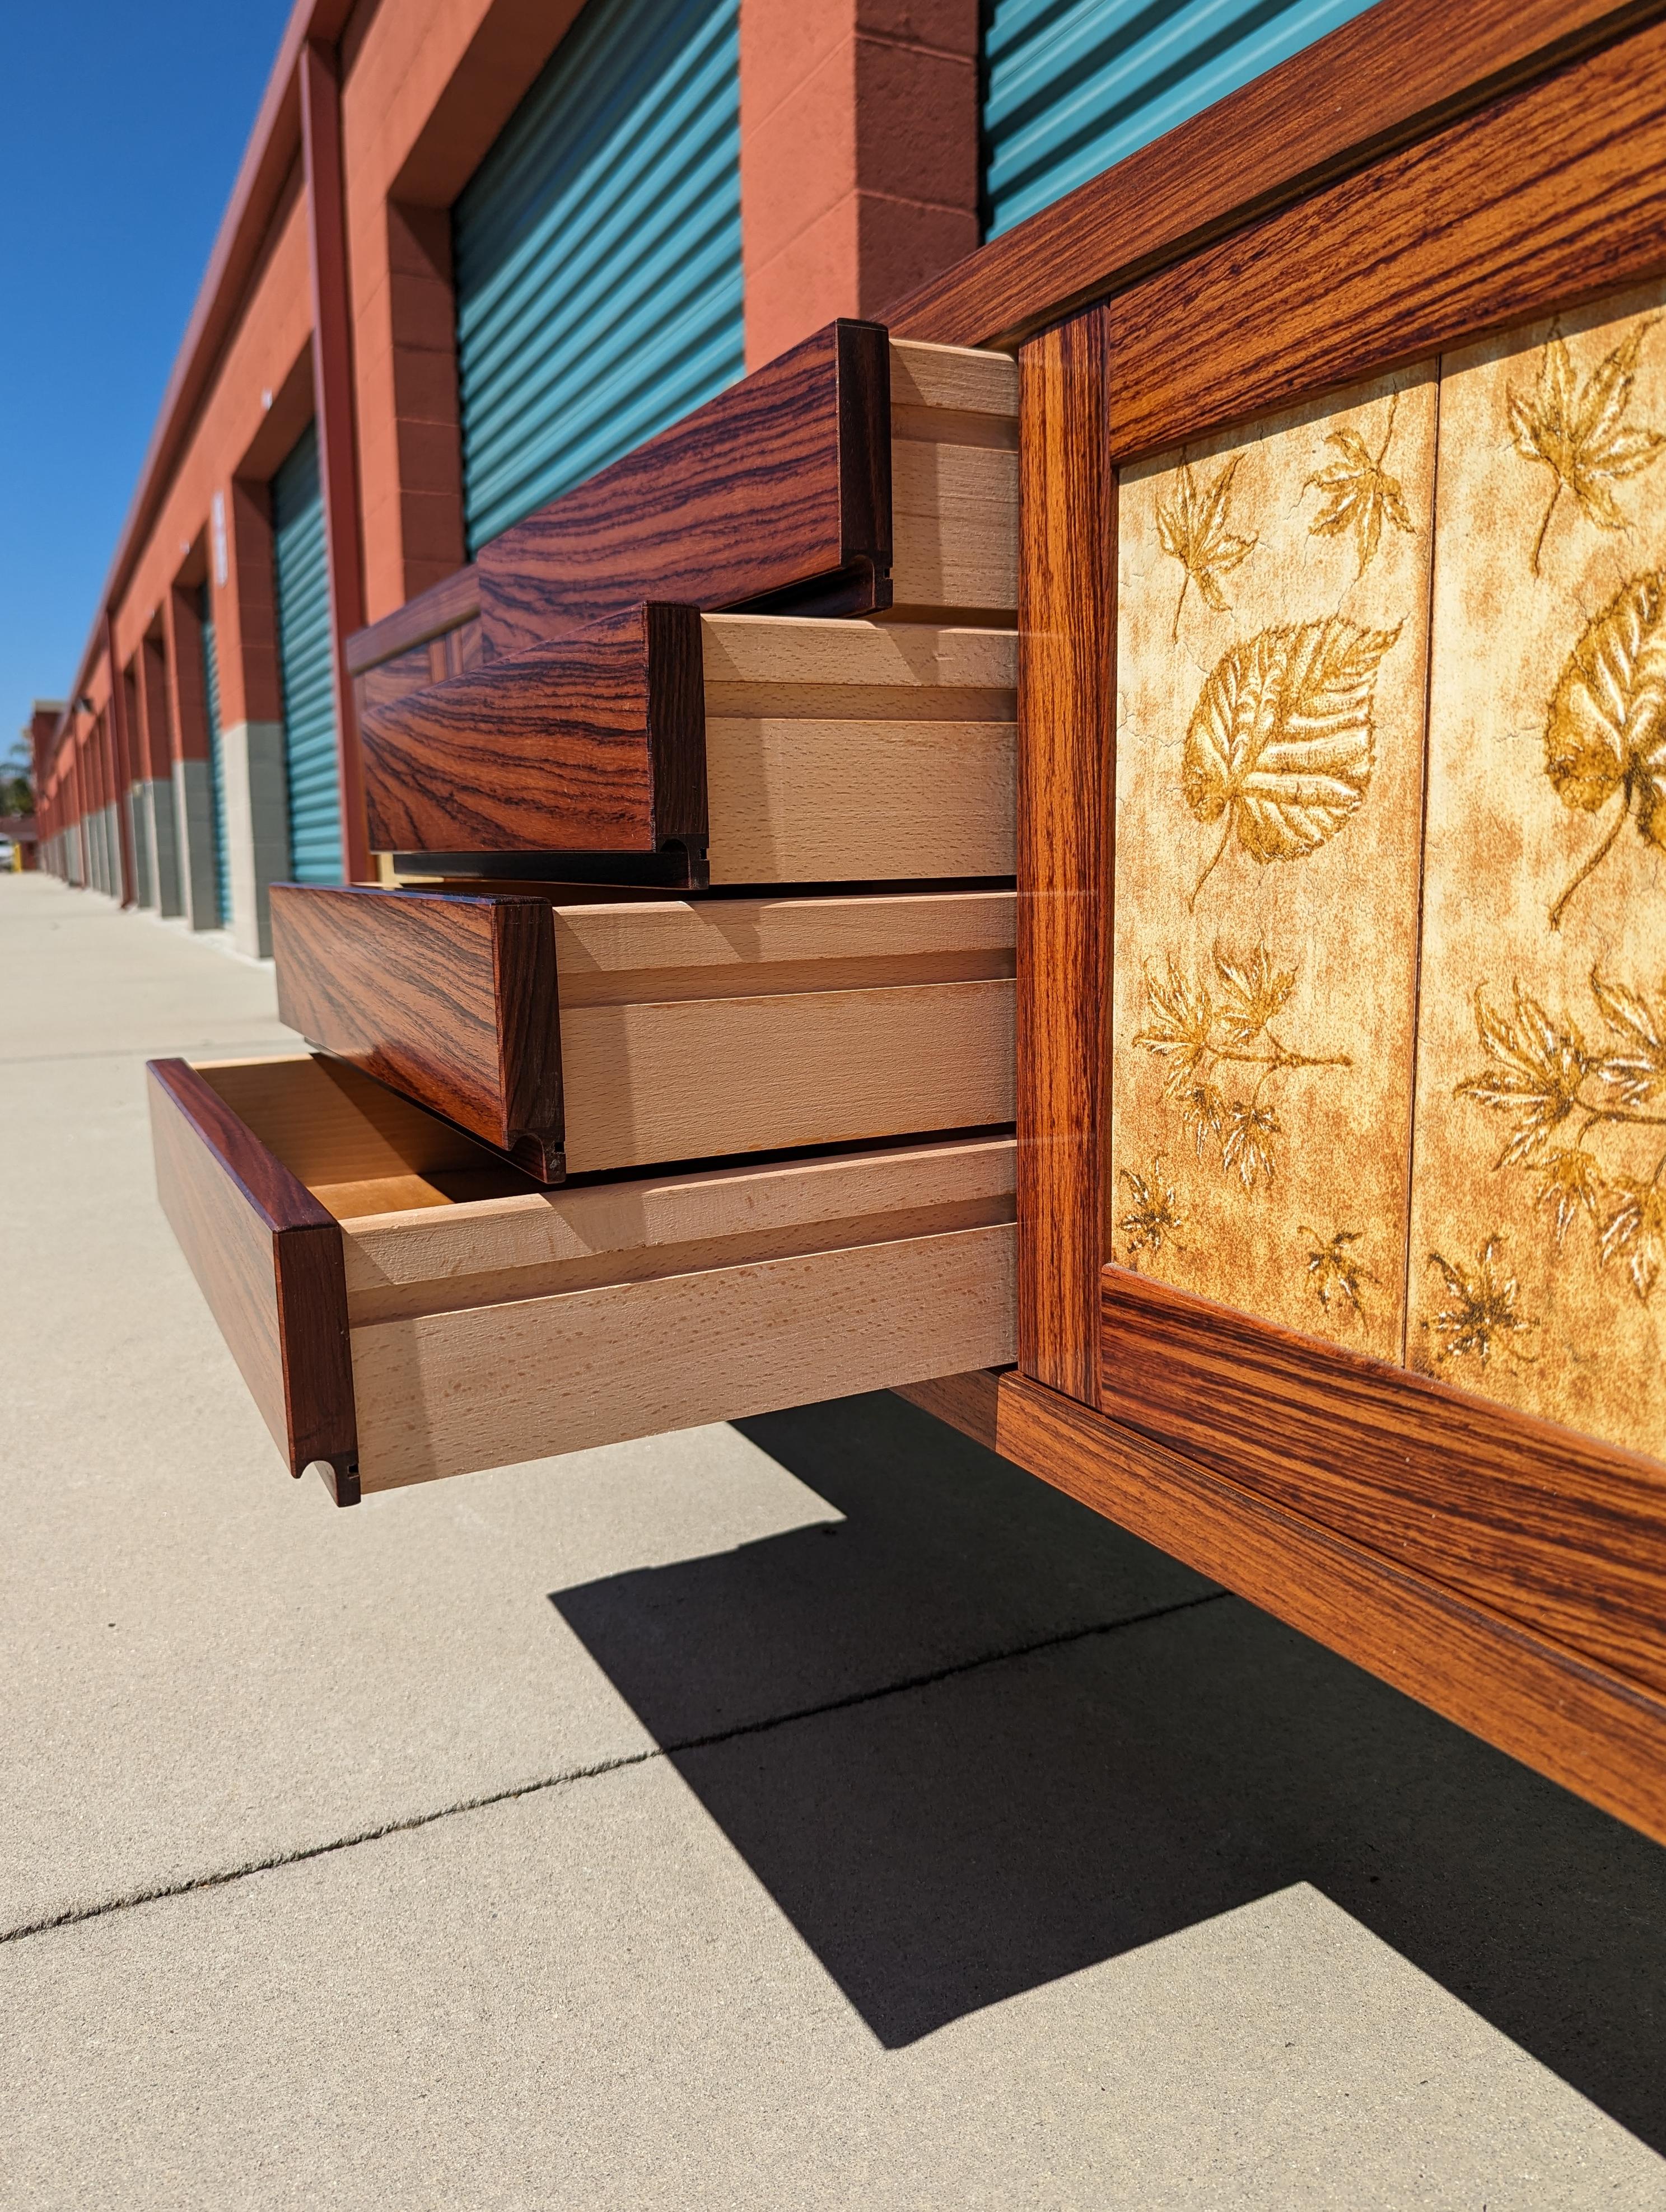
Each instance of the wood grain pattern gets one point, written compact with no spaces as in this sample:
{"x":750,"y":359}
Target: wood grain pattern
{"x":592,"y":743}
{"x":1563,"y":1534}
{"x":858,"y":750}
{"x":328,"y":1124}
{"x":268,"y":1259}
{"x":430,"y":660}
{"x":449,"y":1392}
{"x":702,"y":1078}
{"x":778,"y":490}
{"x":737,"y":948}
{"x":966,"y":1403}
{"x":1547,"y":196}
{"x":452,"y":1001}
{"x":954,"y":474}
{"x":1067,"y":628}
{"x":832,"y":751}
{"x":418,"y":1260}
{"x":685,"y":1032}
{"x":1586,"y":1727}
{"x":394,"y":679}
{"x":446,"y":605}
{"x":1395,"y":72}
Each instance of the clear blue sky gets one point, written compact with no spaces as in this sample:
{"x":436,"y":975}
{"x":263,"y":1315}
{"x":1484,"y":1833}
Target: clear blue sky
{"x":123,"y":124}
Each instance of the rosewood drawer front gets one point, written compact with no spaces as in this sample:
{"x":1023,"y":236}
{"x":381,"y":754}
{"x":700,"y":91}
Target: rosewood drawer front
{"x":598,"y":1037}
{"x":805,"y":488}
{"x":403,"y":1307}
{"x":784,"y":750}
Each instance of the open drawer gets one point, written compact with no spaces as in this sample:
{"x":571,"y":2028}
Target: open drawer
{"x":736,"y":749}
{"x":402,"y":1306}
{"x":595,"y":1038}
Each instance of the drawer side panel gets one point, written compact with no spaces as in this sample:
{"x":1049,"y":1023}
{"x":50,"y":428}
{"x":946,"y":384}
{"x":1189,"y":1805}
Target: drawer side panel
{"x":699,"y":1078}
{"x":795,"y":799}
{"x":449,"y":1393}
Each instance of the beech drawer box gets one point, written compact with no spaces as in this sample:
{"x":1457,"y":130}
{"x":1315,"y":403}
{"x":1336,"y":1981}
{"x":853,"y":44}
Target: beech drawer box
{"x":780,"y":751}
{"x":954,"y":476}
{"x":600,"y":1036}
{"x":402,"y":1307}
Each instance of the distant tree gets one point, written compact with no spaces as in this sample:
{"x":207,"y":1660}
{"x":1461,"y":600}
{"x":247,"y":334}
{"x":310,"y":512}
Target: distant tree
{"x":16,"y":787}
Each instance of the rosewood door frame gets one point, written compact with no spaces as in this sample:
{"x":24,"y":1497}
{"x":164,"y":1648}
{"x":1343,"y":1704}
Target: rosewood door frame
{"x":1346,"y":1495}
{"x":1481,"y":225}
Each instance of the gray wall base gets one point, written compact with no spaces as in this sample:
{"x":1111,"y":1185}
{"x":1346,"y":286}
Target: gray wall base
{"x":257,"y":828}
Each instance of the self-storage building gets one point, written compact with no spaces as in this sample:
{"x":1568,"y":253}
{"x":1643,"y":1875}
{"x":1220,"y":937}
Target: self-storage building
{"x":957,"y":699}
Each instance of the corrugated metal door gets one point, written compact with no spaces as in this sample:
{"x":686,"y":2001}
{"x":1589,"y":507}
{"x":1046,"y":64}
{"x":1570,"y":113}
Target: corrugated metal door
{"x":597,"y":254}
{"x":216,"y":761}
{"x":304,"y":658}
{"x":1072,"y":86}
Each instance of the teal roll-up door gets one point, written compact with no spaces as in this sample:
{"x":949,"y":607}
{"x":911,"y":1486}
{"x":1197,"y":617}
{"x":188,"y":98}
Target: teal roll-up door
{"x":216,"y":761}
{"x":596,"y":254}
{"x":1072,"y":86}
{"x":305,"y":666}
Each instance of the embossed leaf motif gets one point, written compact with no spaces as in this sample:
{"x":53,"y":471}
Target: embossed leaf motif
{"x":1192,"y":529}
{"x":1246,"y":1144}
{"x":1336,"y":1271}
{"x":1578,"y":429}
{"x":1181,"y":1019}
{"x":1281,"y":744}
{"x":1534,"y":1071}
{"x":1635,"y":1074}
{"x":1605,"y":735}
{"x":1255,"y":992}
{"x":1154,"y":1216}
{"x":1197,"y":1037}
{"x":1358,"y":493}
{"x":1541,"y":1075}
{"x":1569,"y":1182}
{"x":1481,"y":1313}
{"x":1634,"y":1233}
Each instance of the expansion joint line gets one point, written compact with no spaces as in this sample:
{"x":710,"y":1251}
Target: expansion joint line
{"x":78,"y":1915}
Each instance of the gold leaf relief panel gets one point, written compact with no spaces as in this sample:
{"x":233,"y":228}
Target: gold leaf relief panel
{"x":1272,"y":635}
{"x":1539,"y":1193}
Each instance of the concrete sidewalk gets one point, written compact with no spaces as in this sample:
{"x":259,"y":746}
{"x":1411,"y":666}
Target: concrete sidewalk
{"x":815,"y":1813}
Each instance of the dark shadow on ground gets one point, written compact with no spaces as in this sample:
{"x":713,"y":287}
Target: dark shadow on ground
{"x":955,"y":1842}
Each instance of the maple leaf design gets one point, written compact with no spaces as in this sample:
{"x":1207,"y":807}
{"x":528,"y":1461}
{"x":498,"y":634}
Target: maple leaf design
{"x":1358,"y":493}
{"x":1197,"y":1035}
{"x":1536,"y":1067}
{"x":1246,"y":1148}
{"x":1605,"y":735}
{"x":1634,"y":1076}
{"x":1334,"y":1270}
{"x":1281,"y":744}
{"x":1179,"y":1031}
{"x":1483,"y":1312}
{"x":1576,"y":429}
{"x":1634,"y":1232}
{"x":1203,"y":1111}
{"x":1154,"y":1215}
{"x":1191,"y":528}
{"x":1570,"y":1182}
{"x":1255,"y":992}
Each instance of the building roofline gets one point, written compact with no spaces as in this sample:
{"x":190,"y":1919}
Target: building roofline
{"x":273,"y":147}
